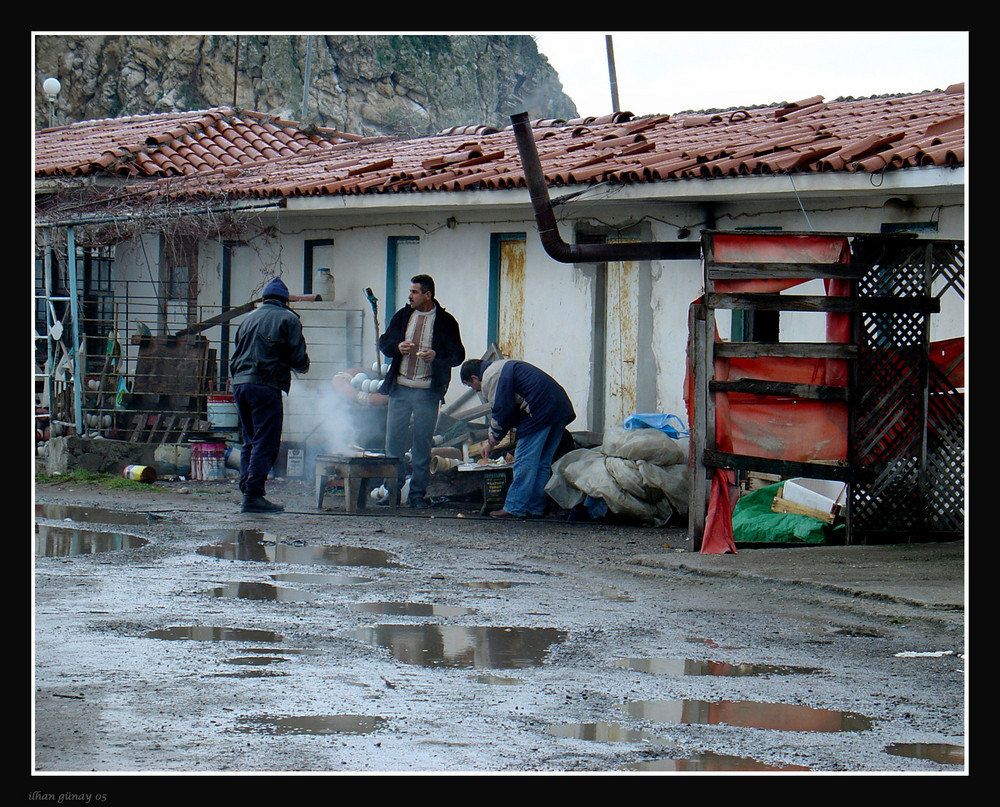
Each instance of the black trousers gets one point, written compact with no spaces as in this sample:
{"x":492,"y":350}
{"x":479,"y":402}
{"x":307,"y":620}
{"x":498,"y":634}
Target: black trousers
{"x":261,"y":416}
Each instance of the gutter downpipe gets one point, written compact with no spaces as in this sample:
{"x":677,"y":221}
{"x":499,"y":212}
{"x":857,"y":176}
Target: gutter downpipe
{"x":548,"y":230}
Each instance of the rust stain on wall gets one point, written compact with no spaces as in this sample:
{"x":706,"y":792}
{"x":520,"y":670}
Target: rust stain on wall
{"x":621,"y":335}
{"x":511,"y":310}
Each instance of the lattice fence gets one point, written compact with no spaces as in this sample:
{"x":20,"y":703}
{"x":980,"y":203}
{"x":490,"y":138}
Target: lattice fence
{"x":908,"y":442}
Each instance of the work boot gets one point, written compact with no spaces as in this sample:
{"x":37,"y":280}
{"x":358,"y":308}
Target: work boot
{"x":258,"y":504}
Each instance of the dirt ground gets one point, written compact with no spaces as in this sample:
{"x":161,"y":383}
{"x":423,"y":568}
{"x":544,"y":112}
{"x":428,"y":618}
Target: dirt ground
{"x":441,"y":642}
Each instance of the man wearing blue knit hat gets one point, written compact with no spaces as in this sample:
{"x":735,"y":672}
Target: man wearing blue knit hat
{"x":268,"y":346}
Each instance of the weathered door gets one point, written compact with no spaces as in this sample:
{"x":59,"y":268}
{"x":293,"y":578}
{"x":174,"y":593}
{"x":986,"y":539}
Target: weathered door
{"x":621,"y":333}
{"x":510,"y":308}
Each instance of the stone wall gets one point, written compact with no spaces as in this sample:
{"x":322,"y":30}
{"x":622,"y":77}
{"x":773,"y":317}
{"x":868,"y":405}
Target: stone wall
{"x":66,"y":454}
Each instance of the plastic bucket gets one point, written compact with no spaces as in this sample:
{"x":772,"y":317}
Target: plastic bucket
{"x":140,"y":473}
{"x":208,"y":461}
{"x":222,"y":413}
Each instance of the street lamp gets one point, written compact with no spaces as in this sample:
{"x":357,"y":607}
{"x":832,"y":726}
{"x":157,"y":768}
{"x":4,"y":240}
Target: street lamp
{"x":51,"y":87}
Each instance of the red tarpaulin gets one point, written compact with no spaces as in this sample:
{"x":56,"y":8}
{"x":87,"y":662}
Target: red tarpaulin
{"x":948,"y":356}
{"x":774,"y":427}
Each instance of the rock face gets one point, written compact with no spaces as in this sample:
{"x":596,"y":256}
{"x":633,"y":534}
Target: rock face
{"x":370,"y":85}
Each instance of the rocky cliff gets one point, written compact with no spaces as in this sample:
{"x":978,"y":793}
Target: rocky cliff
{"x":372,"y":85}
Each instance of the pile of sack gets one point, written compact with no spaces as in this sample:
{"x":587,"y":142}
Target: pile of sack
{"x":636,"y":474}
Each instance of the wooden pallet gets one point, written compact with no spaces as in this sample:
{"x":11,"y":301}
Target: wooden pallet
{"x":147,"y":427}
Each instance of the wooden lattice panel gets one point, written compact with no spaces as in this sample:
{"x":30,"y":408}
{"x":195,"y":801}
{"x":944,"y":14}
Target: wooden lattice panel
{"x":908,"y":442}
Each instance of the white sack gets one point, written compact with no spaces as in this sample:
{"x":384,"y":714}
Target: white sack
{"x":651,"y":445}
{"x":672,"y":482}
{"x":558,"y":487}
{"x":626,"y":474}
{"x":591,"y":476}
{"x":639,"y":473}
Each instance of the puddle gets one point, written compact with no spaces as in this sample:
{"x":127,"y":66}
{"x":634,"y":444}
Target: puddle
{"x":707,"y":761}
{"x":676,"y":667}
{"x":201,"y":633}
{"x":612,"y":593}
{"x":945,"y":753}
{"x":413,"y":609}
{"x":497,"y":680}
{"x":600,"y":732}
{"x":251,"y":673}
{"x":255,"y":661}
{"x":260,"y":591}
{"x":869,"y":633}
{"x":254,"y":665}
{"x":310,"y":724}
{"x":322,"y":579}
{"x":98,"y":515}
{"x":699,"y":761}
{"x":55,"y":542}
{"x":457,"y":646}
{"x":748,"y":714}
{"x":509,"y":569}
{"x":491,"y":584}
{"x":262,"y":546}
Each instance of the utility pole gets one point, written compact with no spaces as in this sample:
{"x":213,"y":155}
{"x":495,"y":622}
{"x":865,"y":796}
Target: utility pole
{"x":306,"y":79}
{"x":236,"y":69}
{"x":612,"y":74}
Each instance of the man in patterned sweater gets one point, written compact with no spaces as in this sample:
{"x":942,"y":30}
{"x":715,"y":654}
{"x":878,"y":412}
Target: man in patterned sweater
{"x":424,"y":342}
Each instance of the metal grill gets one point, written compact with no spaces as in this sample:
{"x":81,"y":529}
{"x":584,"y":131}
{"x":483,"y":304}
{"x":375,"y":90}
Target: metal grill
{"x":908,"y":446}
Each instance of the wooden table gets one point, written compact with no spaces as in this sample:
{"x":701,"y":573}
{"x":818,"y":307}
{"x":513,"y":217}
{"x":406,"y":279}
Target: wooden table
{"x":357,"y":473}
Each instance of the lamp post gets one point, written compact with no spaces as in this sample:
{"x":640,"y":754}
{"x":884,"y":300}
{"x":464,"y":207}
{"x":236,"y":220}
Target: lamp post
{"x":52,"y":87}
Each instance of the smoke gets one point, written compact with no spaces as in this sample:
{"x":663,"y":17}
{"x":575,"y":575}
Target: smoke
{"x":327,"y":419}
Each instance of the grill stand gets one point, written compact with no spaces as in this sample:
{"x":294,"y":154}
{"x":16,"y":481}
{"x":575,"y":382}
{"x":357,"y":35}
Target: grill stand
{"x":357,"y":473}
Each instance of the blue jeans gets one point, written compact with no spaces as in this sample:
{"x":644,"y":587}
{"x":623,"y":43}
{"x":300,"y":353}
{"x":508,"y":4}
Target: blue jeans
{"x":261,"y":416}
{"x":422,"y":406}
{"x":532,"y":469}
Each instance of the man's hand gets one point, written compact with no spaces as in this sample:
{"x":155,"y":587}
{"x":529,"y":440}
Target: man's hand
{"x":488,"y":447}
{"x":407,"y":347}
{"x":427,"y":355}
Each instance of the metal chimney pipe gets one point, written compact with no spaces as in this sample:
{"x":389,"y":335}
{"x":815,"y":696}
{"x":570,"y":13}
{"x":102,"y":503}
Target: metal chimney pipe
{"x":582,"y":253}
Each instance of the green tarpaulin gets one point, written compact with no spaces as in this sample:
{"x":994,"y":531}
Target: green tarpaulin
{"x":754,"y":522}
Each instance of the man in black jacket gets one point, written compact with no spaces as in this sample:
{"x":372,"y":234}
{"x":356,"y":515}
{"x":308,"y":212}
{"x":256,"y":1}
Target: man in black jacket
{"x":269,"y":345}
{"x":424,"y":343}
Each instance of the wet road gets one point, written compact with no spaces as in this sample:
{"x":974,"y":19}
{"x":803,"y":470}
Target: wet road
{"x":202,"y":640}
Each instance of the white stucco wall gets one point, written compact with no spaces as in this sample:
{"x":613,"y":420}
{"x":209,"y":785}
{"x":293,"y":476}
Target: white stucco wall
{"x":558,"y":309}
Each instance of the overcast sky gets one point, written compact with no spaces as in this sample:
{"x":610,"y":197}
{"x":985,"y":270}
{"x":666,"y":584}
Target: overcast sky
{"x":667,"y":72}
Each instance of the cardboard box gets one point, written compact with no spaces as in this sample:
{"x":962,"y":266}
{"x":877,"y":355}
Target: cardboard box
{"x":817,"y":498}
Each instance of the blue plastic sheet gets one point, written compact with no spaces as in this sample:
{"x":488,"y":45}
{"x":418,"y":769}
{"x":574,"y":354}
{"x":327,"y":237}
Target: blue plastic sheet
{"x":671,"y":425}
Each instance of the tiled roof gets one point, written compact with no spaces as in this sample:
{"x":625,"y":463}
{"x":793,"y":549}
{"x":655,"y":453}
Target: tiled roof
{"x":248,"y":156}
{"x":174,"y":143}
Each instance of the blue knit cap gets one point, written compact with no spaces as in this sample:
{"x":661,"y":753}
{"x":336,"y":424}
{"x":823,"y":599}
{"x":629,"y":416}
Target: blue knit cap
{"x":276,"y":289}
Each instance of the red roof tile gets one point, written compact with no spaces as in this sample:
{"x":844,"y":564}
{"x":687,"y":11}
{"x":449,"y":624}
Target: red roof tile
{"x":173,"y":143}
{"x":218,"y":152}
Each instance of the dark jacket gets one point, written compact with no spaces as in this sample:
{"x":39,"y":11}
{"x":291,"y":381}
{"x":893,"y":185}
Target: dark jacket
{"x":525,"y":398}
{"x":446,"y":342}
{"x":269,"y":345}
